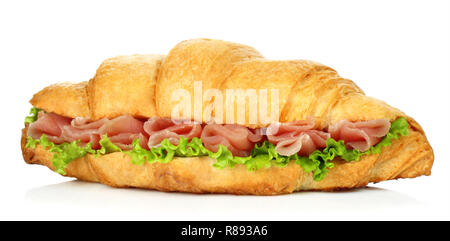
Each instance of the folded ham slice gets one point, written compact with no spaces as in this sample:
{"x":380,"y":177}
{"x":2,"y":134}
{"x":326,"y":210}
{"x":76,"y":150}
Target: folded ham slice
{"x":85,"y":123}
{"x":120,"y":125}
{"x":296,"y":137}
{"x":58,"y":129}
{"x":124,"y":140}
{"x":49,"y":124}
{"x":238,"y":139}
{"x":360,"y":135}
{"x":163,"y":128}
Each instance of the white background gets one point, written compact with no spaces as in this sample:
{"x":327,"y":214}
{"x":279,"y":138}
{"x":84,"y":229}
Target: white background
{"x":397,"y":51}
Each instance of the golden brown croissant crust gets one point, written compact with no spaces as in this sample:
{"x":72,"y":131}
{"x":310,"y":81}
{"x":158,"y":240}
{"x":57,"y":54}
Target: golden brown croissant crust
{"x":141,"y":85}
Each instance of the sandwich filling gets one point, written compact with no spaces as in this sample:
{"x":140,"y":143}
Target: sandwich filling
{"x":161,"y":139}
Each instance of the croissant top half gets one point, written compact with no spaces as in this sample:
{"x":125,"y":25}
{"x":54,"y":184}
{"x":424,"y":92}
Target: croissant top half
{"x":143,"y":86}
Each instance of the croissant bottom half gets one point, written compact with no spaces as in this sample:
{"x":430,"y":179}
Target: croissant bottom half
{"x":409,"y":156}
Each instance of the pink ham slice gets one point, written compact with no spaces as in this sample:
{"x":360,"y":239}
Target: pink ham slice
{"x":49,"y":124}
{"x":70,"y":133}
{"x":360,"y":135}
{"x":82,"y":129}
{"x":124,"y":140}
{"x":58,"y":129}
{"x":163,"y":128}
{"x":238,"y":139}
{"x":122,"y":124}
{"x":84,"y":123}
{"x":296,"y":137}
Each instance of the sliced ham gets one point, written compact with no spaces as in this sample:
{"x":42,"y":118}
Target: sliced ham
{"x":163,"y":128}
{"x":49,"y":124}
{"x":122,"y":124}
{"x":124,"y":140}
{"x":58,"y":129}
{"x":238,"y":139}
{"x":85,"y":123}
{"x":299,"y":137}
{"x":70,"y":133}
{"x":360,"y":135}
{"x":296,"y":137}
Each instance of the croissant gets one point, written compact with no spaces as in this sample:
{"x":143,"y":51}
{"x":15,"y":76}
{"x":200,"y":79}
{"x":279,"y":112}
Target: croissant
{"x":131,"y":98}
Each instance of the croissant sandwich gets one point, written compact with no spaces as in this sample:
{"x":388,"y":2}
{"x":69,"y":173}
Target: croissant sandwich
{"x":217,"y":117}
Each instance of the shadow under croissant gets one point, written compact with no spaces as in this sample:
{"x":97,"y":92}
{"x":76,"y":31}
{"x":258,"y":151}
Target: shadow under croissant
{"x":98,"y":199}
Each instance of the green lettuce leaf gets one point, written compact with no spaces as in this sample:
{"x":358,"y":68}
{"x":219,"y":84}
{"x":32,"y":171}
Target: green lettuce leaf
{"x":68,"y":151}
{"x":139,"y":155}
{"x":106,"y":146}
{"x":399,"y":127}
{"x":64,"y":153}
{"x":166,"y":151}
{"x":194,"y":148}
{"x":33,"y":115}
{"x":224,"y":157}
